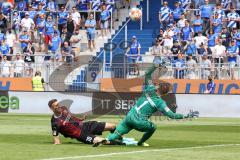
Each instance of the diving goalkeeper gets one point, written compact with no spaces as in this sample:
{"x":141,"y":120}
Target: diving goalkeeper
{"x":149,"y":103}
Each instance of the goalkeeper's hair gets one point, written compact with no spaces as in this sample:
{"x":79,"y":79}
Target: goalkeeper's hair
{"x":51,"y":102}
{"x":164,"y":88}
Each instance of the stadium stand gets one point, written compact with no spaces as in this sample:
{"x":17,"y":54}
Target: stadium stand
{"x":195,"y":38}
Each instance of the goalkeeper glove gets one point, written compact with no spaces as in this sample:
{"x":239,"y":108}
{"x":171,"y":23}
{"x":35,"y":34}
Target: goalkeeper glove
{"x":160,"y":62}
{"x":192,"y":114}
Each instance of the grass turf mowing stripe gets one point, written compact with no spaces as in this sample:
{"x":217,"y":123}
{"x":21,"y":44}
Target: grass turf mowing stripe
{"x":142,"y":151}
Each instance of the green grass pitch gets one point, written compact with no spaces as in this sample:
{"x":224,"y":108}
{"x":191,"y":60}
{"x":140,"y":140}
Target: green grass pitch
{"x":28,"y":137}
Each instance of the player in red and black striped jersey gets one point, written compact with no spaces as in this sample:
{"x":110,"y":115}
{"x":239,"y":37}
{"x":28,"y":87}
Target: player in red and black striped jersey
{"x":64,"y":122}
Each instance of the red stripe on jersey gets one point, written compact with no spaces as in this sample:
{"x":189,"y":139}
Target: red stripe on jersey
{"x":67,"y":124}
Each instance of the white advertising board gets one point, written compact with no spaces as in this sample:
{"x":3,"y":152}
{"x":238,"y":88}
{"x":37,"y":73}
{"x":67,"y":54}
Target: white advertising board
{"x":37,"y":102}
{"x":209,"y":105}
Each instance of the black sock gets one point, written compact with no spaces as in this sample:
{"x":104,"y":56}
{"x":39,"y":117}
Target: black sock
{"x":112,"y":131}
{"x":116,"y":143}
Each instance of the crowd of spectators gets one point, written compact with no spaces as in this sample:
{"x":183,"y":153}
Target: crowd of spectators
{"x":207,"y":41}
{"x":32,"y":28}
{"x":193,"y":34}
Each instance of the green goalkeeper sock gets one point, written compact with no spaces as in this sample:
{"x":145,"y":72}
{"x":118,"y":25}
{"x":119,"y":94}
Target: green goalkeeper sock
{"x":114,"y":136}
{"x":145,"y":137}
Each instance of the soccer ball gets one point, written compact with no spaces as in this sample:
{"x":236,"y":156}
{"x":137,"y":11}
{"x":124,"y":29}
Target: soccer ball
{"x":135,"y":14}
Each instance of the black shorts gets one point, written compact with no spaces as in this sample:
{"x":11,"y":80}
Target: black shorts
{"x":89,"y":131}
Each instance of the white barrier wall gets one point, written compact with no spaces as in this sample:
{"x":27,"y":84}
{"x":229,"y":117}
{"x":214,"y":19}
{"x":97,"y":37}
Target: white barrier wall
{"x":210,"y":105}
{"x":37,"y":102}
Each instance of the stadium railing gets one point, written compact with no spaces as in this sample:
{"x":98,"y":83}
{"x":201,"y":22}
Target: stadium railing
{"x":48,"y":66}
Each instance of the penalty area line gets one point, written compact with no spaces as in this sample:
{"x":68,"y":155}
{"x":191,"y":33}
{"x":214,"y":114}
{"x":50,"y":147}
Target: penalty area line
{"x":141,"y":151}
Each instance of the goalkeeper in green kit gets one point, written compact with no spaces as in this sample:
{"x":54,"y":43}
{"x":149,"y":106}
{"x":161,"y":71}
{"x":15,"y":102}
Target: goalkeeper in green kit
{"x":149,"y":103}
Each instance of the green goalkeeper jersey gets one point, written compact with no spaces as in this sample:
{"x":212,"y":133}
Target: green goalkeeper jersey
{"x":150,"y":102}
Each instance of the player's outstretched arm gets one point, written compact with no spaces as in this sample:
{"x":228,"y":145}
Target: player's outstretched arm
{"x":56,"y":140}
{"x":167,"y":112}
{"x":148,"y":74}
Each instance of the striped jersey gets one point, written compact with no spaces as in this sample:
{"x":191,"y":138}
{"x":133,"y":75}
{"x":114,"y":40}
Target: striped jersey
{"x":232,"y":17}
{"x":96,"y":5}
{"x":110,"y":5}
{"x":217,"y":28}
{"x":185,"y":4}
{"x":226,"y":3}
{"x":165,"y":13}
{"x":220,"y":12}
{"x":236,"y":36}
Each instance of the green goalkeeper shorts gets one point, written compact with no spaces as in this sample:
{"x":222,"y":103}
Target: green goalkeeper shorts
{"x":135,"y":121}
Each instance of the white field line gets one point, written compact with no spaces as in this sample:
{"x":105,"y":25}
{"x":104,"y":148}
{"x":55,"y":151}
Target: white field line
{"x":142,"y":151}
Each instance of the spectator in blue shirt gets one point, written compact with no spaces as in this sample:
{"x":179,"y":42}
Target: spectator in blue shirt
{"x":16,"y":23}
{"x":134,"y":55}
{"x":40,"y":11}
{"x":191,"y":48}
{"x":212,"y":38}
{"x":21,"y":6}
{"x":6,"y":7}
{"x":2,"y":36}
{"x":177,"y":12}
{"x":187,"y":32}
{"x":210,"y":86}
{"x":232,"y":53}
{"x":24,"y":39}
{"x":55,"y":45}
{"x":51,"y":6}
{"x":90,"y":25}
{"x":204,"y":49}
{"x":4,"y":48}
{"x":49,"y":31}
{"x":206,"y":12}
{"x":176,"y":32}
{"x":179,"y":66}
{"x":197,"y":24}
{"x":236,"y":37}
{"x":83,"y":5}
{"x":218,"y":10}
{"x":105,"y":15}
{"x":62,"y":19}
{"x":32,"y":12}
{"x":40,"y":25}
{"x":164,"y":15}
{"x":217,"y":24}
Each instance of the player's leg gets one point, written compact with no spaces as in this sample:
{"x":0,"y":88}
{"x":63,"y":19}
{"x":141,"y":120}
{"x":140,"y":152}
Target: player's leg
{"x":145,"y":126}
{"x":110,"y":127}
{"x":91,"y":139}
{"x":122,"y":128}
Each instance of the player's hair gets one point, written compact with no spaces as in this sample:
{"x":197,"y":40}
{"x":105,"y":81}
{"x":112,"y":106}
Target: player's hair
{"x":164,"y":88}
{"x":51,"y":102}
